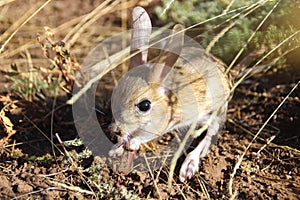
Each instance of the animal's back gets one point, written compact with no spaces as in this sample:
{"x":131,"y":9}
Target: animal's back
{"x":200,"y":83}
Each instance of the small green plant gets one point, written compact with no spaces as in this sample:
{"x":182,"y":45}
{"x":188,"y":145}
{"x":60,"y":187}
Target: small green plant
{"x":278,"y":26}
{"x":40,"y":160}
{"x":45,"y":81}
{"x":30,"y":84}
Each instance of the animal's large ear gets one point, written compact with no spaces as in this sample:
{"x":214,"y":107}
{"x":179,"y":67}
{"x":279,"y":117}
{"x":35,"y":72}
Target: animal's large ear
{"x":141,"y":30}
{"x":168,"y":55}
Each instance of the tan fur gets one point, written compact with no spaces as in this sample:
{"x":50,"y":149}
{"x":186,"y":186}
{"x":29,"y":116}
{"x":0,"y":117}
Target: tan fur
{"x":186,"y":86}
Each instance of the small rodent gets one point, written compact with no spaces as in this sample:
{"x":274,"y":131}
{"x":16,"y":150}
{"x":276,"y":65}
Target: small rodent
{"x":187,"y":85}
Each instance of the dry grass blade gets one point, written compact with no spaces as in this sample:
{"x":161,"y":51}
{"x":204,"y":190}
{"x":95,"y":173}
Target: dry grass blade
{"x":251,"y":37}
{"x":117,"y":58}
{"x":263,"y":58}
{"x":124,"y":18}
{"x":73,"y":35}
{"x":68,"y":24}
{"x":249,"y":10}
{"x":229,"y":6}
{"x":261,"y":68}
{"x":220,"y":35}
{"x":9,"y":33}
{"x":178,"y":153}
{"x":104,"y":8}
{"x":167,"y":7}
{"x":152,"y":176}
{"x":239,"y":11}
{"x":5,"y":2}
{"x":18,"y":50}
{"x":246,"y":130}
{"x":203,"y":188}
{"x":254,"y":138}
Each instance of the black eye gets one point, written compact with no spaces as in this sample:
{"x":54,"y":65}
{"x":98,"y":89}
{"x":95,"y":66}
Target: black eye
{"x":144,"y":105}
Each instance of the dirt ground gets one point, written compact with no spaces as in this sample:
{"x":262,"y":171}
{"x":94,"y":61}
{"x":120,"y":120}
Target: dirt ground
{"x":33,"y":167}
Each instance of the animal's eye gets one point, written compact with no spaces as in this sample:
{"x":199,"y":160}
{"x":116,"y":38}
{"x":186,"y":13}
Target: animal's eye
{"x":144,"y":105}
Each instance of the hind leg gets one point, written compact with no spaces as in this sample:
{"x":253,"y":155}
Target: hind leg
{"x":191,"y":163}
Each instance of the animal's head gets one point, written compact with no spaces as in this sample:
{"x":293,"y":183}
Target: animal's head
{"x":142,"y":107}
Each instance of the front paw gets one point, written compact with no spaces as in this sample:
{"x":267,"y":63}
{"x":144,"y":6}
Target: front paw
{"x":123,"y":143}
{"x":189,"y":167}
{"x":116,"y":150}
{"x":134,"y":144}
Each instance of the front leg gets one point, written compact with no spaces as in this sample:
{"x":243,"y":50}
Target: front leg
{"x":191,"y":163}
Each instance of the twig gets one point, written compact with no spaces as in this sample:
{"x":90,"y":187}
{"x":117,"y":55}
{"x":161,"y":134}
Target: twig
{"x":73,"y":188}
